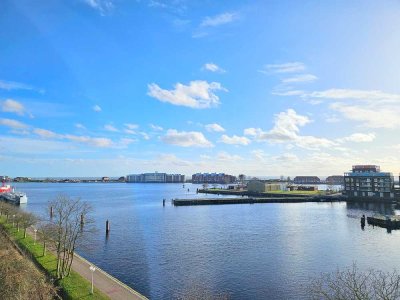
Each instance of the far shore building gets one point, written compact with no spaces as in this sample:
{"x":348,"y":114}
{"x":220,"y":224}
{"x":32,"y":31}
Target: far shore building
{"x":155,"y":178}
{"x":335,"y":180}
{"x":258,"y":186}
{"x":306,"y":180}
{"x":367,"y":181}
{"x":220,"y":178}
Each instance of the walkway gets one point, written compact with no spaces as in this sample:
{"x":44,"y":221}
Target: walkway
{"x":109,"y":285}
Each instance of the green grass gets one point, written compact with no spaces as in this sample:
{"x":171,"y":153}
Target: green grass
{"x":74,"y":286}
{"x":296,"y":192}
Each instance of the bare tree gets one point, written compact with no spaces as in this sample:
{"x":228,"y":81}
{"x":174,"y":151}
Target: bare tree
{"x":67,"y":231}
{"x":352,"y":283}
{"x":7,"y":210}
{"x":27,"y":220}
{"x":19,"y":217}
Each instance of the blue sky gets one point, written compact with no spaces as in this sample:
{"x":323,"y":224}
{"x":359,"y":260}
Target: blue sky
{"x":113,"y":87}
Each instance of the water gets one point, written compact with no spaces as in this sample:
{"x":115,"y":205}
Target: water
{"x":257,"y":251}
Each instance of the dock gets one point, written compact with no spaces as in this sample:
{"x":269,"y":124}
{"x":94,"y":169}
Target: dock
{"x":254,"y":200}
{"x":392,"y":222}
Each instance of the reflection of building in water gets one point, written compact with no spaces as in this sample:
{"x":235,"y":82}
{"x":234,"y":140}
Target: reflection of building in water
{"x":370,"y":208}
{"x":367,"y":181}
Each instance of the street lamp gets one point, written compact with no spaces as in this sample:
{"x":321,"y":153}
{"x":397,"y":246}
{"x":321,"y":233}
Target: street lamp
{"x":35,"y":230}
{"x":92,"y":269}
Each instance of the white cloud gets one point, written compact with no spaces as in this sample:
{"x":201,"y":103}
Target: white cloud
{"x":44,"y":133}
{"x":213,"y":68}
{"x":124,"y":142}
{"x":186,"y":139}
{"x":234,"y":140}
{"x":96,"y":108}
{"x":214,"y":127}
{"x":92,"y":141}
{"x":286,"y":130}
{"x":373,"y":115}
{"x":13,"y":124}
{"x":256,"y":133}
{"x":224,"y":156}
{"x":80,"y":126}
{"x":110,"y":127}
{"x":313,"y":143}
{"x":290,"y":67}
{"x":301,"y":78}
{"x":12,"y":85}
{"x":288,"y":92}
{"x":286,"y":126}
{"x":131,"y":126}
{"x":331,"y":118}
{"x":259,"y":154}
{"x":372,"y":108}
{"x":13,"y":106}
{"x":198,"y":94}
{"x":218,"y":20}
{"x":129,"y":131}
{"x":156,"y":127}
{"x":102,"y":6}
{"x":287,"y":157}
{"x":144,"y":135}
{"x":173,"y":160}
{"x":362,"y":95}
{"x":359,"y":138}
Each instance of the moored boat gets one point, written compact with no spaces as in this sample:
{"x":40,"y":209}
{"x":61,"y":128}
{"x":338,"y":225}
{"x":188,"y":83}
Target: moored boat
{"x":9,"y":194}
{"x":15,"y":197}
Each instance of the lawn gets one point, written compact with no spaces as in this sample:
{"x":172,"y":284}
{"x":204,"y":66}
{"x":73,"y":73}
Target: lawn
{"x":74,"y":287}
{"x":296,"y":192}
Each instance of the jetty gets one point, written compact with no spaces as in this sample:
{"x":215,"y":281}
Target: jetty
{"x":253,"y":200}
{"x":392,"y":222}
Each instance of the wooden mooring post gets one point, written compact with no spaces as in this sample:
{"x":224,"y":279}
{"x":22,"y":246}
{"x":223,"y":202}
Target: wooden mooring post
{"x":107,"y":227}
{"x":51,"y":211}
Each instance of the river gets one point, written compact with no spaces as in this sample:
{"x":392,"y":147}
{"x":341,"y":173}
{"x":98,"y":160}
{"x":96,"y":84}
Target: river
{"x":246,"y":251}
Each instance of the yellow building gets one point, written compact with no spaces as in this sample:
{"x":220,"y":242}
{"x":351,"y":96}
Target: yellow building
{"x":256,"y":186}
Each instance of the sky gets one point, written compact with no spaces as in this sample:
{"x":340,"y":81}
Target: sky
{"x":263,"y":88}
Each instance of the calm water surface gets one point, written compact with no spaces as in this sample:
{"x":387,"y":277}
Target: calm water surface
{"x":258,"y":251}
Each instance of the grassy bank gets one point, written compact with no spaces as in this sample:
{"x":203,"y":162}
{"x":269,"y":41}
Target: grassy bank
{"x":73,"y":287}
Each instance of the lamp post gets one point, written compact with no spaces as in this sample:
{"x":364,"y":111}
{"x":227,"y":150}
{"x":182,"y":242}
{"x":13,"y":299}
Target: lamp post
{"x":35,"y":230}
{"x":92,"y":269}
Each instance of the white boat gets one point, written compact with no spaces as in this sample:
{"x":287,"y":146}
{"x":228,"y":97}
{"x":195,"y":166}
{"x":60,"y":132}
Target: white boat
{"x":15,"y":197}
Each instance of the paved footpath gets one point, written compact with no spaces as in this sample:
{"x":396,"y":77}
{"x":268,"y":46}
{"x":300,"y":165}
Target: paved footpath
{"x":109,"y":285}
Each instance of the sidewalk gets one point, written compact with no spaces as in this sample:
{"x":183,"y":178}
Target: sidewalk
{"x":112,"y":287}
{"x":109,"y":285}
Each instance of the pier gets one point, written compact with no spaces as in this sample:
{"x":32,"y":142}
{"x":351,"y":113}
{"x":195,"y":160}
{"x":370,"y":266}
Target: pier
{"x":392,"y":222}
{"x":253,"y":200}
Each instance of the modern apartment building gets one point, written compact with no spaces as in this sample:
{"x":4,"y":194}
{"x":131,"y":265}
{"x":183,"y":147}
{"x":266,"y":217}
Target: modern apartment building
{"x":155,"y":178}
{"x":368,"y":181}
{"x":306,"y":180}
{"x":220,"y":178}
